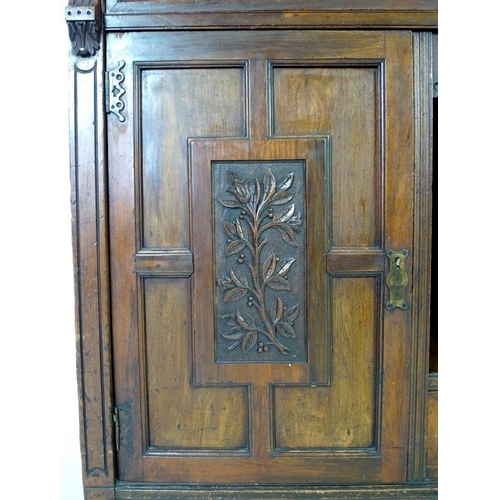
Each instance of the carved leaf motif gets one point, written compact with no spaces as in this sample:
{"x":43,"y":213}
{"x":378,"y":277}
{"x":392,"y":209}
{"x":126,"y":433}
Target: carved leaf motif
{"x":229,"y":319}
{"x":277,"y":309}
{"x":234,"y":294}
{"x":285,"y":182}
{"x":234,"y":247}
{"x":239,"y":280}
{"x":285,"y":268}
{"x":287,"y":234}
{"x":233,"y":346}
{"x":296,"y":221}
{"x":240,"y":191}
{"x":269,"y":184}
{"x":239,"y":229}
{"x":269,"y":319}
{"x":286,"y":330}
{"x":254,"y":194}
{"x":230,"y":229}
{"x":291,"y":313}
{"x":249,"y":341}
{"x":232,"y":176}
{"x":282,"y":197}
{"x":279,"y":283}
{"x":84,"y":36}
{"x":269,"y":266}
{"x":245,"y":320}
{"x":234,"y":336}
{"x":284,"y":214}
{"x":230,"y":203}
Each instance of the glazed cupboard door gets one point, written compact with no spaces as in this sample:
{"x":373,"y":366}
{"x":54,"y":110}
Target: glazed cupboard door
{"x":260,"y":197}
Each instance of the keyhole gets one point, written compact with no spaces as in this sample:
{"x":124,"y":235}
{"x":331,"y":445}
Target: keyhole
{"x":398,"y":262}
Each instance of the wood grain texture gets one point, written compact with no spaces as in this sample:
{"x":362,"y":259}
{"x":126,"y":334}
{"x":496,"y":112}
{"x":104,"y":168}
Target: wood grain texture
{"x":179,"y":416}
{"x":203,"y":153}
{"x":416,"y":491}
{"x":342,"y":102}
{"x":92,"y":493}
{"x":188,"y":102}
{"x":215,"y":82}
{"x":421,"y":344}
{"x":343,"y":415}
{"x":432,"y":436}
{"x":262,"y":14}
{"x":155,"y":316}
{"x":90,"y":250}
{"x":398,"y":234}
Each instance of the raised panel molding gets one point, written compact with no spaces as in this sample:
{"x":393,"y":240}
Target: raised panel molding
{"x":206,"y":155}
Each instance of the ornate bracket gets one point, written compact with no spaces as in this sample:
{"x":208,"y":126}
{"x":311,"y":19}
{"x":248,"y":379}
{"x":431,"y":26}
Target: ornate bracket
{"x":83,"y":18}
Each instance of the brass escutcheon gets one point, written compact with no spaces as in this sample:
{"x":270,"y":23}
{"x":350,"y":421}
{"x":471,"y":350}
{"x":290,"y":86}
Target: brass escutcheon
{"x":397,"y":279}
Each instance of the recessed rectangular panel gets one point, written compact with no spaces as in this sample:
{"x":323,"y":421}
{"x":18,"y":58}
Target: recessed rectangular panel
{"x":181,"y":416}
{"x":341,"y":102}
{"x":178,"y":103}
{"x":344,"y":414}
{"x":260,"y":261}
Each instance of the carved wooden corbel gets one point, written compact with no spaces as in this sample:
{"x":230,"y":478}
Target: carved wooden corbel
{"x":83,"y":18}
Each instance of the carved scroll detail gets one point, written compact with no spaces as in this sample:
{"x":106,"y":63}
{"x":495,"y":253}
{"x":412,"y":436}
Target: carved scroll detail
{"x":84,"y":27}
{"x":261,"y":207}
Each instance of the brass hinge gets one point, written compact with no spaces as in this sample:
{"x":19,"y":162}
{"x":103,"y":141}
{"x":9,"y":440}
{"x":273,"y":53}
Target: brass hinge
{"x":114,"y":91}
{"x":116,"y":420}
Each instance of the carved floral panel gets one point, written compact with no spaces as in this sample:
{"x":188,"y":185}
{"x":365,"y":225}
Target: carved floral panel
{"x":260,"y":267}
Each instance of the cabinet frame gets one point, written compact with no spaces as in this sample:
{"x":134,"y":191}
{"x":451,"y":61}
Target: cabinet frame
{"x":89,"y":204}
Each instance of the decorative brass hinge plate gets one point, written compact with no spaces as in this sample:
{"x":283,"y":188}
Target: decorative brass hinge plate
{"x":114,"y":91}
{"x":397,"y":279}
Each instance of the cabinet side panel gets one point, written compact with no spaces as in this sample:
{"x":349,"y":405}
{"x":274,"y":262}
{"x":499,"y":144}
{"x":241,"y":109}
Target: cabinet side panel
{"x":91,"y":271}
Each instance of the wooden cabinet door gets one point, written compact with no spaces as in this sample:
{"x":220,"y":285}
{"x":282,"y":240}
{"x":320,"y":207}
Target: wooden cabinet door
{"x":257,"y":180}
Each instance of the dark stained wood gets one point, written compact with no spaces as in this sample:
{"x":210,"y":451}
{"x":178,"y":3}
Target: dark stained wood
{"x":229,"y":417}
{"x":352,"y":105}
{"x":91,"y":268}
{"x":261,"y":14}
{"x":167,"y":263}
{"x":190,"y":101}
{"x":420,"y":491}
{"x":206,"y":370}
{"x":340,"y":261}
{"x":92,"y":493}
{"x":422,"y":270}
